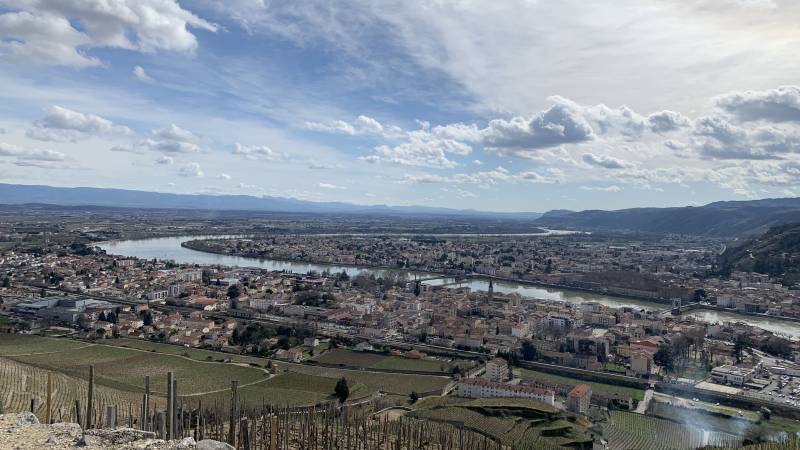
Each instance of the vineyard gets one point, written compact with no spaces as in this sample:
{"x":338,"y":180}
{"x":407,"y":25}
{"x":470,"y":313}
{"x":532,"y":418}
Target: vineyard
{"x":22,"y":383}
{"x":204,"y":375}
{"x":519,"y":423}
{"x":228,"y":418}
{"x":626,"y":430}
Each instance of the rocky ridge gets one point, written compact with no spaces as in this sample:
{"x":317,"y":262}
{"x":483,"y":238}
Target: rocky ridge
{"x":23,"y":431}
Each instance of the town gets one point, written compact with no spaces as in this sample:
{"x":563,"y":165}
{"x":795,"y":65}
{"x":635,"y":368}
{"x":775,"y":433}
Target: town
{"x":643,"y":351}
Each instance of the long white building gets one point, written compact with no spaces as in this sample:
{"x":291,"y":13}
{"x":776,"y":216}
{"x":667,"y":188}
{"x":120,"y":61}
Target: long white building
{"x":480,"y":388}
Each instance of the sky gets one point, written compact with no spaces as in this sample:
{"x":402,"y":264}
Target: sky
{"x":509,"y":105}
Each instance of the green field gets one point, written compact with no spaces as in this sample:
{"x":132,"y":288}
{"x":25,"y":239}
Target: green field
{"x":18,"y":344}
{"x":638,"y":394}
{"x":378,"y":361}
{"x":400,"y":384}
{"x":123,"y":363}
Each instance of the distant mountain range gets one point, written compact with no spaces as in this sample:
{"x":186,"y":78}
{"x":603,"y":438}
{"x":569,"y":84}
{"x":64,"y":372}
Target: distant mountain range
{"x":718,"y":219}
{"x":18,"y":194}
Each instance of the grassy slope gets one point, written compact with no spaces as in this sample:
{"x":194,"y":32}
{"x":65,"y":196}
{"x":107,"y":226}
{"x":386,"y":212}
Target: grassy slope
{"x":638,"y":394}
{"x":201,"y":371}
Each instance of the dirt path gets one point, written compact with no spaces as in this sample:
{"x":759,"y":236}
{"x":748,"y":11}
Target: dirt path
{"x":641,"y":408}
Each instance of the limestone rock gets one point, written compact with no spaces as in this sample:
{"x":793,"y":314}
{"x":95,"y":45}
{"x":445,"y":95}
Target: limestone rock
{"x":209,"y":444}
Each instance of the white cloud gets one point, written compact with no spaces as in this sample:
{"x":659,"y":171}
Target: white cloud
{"x":329,"y":186}
{"x":666,"y":121}
{"x":535,"y":177}
{"x":65,"y":125}
{"x":165,"y":160}
{"x":256,"y":152}
{"x":719,"y":139}
{"x":42,"y":31}
{"x":368,"y":125}
{"x":605,"y":161}
{"x":559,"y":124}
{"x":224,"y":176}
{"x":337,"y":126}
{"x":141,"y":75}
{"x":191,"y":170}
{"x":175,"y":133}
{"x":781,"y":104}
{"x":486,"y":178}
{"x":420,"y":149}
{"x":323,"y":166}
{"x":170,"y":139}
{"x":612,"y":188}
{"x":42,"y":158}
{"x":362,"y":125}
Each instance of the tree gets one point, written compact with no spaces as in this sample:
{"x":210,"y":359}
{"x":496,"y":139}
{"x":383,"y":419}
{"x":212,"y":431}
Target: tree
{"x":413,"y":397}
{"x":739,"y":345}
{"x":233,"y":291}
{"x":7,"y":282}
{"x":342,"y":390}
{"x":417,"y":288}
{"x":699,"y":295}
{"x":529,"y":352}
{"x":664,"y":357}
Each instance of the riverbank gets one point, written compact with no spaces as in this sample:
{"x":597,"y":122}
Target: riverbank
{"x":457,"y":278}
{"x":193,"y":245}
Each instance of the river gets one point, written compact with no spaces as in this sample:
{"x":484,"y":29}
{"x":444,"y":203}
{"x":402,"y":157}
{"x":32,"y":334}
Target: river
{"x":170,"y":249}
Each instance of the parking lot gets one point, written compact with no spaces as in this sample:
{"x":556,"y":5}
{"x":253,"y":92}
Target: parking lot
{"x":782,"y":389}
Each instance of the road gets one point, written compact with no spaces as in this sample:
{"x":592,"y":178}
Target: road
{"x":641,"y":408}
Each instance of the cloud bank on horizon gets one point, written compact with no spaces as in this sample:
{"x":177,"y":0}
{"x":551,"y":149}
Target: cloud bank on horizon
{"x":519,"y":105}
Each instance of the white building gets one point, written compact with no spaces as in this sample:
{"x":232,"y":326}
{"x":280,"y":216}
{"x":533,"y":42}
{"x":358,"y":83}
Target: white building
{"x":735,"y":375}
{"x":497,"y":370}
{"x":558,"y":321}
{"x":479,"y":388}
{"x":641,"y":363}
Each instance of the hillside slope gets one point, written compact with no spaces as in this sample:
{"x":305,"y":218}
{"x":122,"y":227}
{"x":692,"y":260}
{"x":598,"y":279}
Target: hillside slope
{"x":776,"y":253}
{"x":724,"y":219}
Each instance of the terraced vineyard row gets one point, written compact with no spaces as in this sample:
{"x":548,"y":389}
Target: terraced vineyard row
{"x":634,"y":431}
{"x":23,"y":383}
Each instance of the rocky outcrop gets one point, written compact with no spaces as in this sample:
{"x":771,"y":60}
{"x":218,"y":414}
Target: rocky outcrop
{"x":23,"y":431}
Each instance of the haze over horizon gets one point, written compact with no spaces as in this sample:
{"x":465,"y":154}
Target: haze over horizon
{"x":513,"y":106}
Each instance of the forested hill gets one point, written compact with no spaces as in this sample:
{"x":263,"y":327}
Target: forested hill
{"x":721,"y":219}
{"x":776,"y":253}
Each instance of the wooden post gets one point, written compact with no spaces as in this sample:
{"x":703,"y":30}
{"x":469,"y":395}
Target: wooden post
{"x":90,"y":398}
{"x":110,"y":420}
{"x":78,"y":412}
{"x":174,"y":417}
{"x":146,"y":405}
{"x":232,"y":423}
{"x":49,"y":412}
{"x":273,"y":432}
{"x":170,"y":406}
{"x":161,"y":424}
{"x":245,"y":430}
